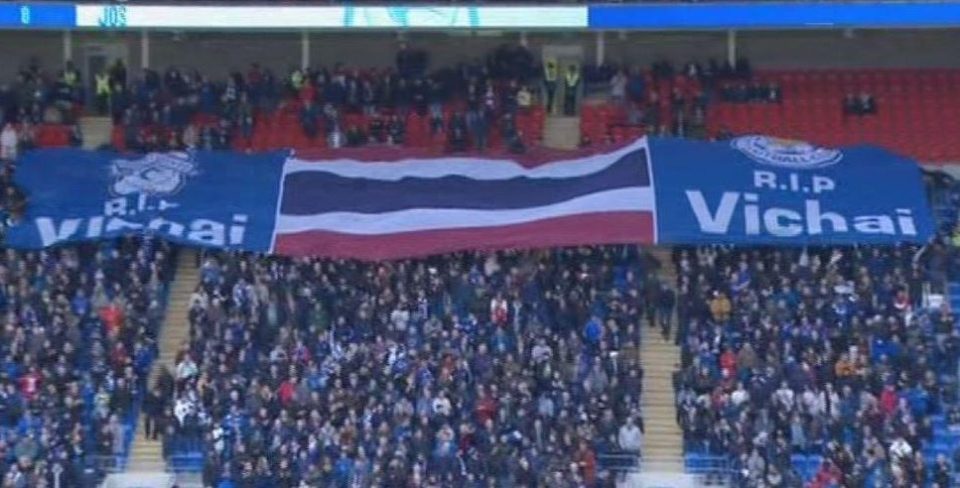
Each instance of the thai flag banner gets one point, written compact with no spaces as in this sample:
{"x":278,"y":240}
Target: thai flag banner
{"x":380,"y":207}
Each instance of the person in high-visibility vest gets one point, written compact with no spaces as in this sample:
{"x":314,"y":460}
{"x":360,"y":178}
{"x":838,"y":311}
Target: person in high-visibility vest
{"x":571,"y":89}
{"x":550,"y":81}
{"x":71,"y":79}
{"x":102,"y":81}
{"x":70,"y":75}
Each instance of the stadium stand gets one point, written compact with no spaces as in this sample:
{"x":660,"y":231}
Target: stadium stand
{"x":821,"y":366}
{"x":81,"y":324}
{"x":473,"y":105}
{"x":41,"y":108}
{"x":799,"y":367}
{"x":258,"y":110}
{"x":910,"y":106}
{"x":78,"y":339}
{"x":460,"y":370}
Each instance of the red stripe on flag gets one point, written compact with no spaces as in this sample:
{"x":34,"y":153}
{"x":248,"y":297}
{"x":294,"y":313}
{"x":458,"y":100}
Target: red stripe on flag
{"x":587,"y":229}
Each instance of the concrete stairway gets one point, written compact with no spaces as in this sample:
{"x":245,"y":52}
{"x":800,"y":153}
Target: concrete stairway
{"x":663,"y":439}
{"x":147,"y":455}
{"x":561,"y":132}
{"x":96,"y":131}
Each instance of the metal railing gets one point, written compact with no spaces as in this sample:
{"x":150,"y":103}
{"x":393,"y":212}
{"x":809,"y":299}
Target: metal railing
{"x":624,"y":462}
{"x":711,"y":469}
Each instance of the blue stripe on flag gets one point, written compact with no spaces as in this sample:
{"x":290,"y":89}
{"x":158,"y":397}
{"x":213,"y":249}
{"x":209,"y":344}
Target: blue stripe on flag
{"x":317,"y":192}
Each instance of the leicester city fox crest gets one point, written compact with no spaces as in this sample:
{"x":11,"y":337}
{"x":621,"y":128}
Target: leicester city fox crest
{"x":154,"y":175}
{"x":786,"y":153}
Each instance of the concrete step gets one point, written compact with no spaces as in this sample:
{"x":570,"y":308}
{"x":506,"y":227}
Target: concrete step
{"x":652,"y":434}
{"x":147,"y":455}
{"x":661,"y":441}
{"x":96,"y":131}
{"x":146,"y":447}
{"x":660,"y":437}
{"x":659,"y":390}
{"x":661,"y":380}
{"x":663,"y":438}
{"x":662,"y":452}
{"x":659,"y":414}
{"x":558,"y":121}
{"x":561,"y":132}
{"x":660,"y":348}
{"x":147,"y":467}
{"x":663,"y":365}
{"x":662,"y":467}
{"x":661,"y":444}
{"x":666,"y":401}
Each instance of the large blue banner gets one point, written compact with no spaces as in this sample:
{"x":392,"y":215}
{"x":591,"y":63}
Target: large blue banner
{"x":764,"y":190}
{"x":205,"y":199}
{"x":389,"y":203}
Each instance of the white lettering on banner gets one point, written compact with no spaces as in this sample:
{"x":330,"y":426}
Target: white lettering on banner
{"x":172,"y":228}
{"x":116,"y":224}
{"x":201,"y":231}
{"x":94,"y":227}
{"x":794,"y":182}
{"x":874,"y":224}
{"x":237,"y":231}
{"x":786,"y":222}
{"x":115,"y":206}
{"x":206,"y":231}
{"x":751,"y":213}
{"x":51,"y":233}
{"x":905,"y":219}
{"x":765,"y":179}
{"x":713,"y":223}
{"x":773,"y":220}
{"x":822,"y":183}
{"x":816,"y":218}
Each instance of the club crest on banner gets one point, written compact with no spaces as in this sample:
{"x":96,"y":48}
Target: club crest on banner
{"x":786,"y":153}
{"x":155,"y":174}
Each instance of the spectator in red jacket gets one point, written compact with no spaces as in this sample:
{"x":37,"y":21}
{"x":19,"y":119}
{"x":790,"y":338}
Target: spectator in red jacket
{"x":112,"y":317}
{"x":889,"y":400}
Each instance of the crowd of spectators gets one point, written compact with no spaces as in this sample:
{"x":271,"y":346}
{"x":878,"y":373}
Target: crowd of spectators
{"x":13,"y":201}
{"x":468,"y":105}
{"x":37,"y":99}
{"x":181,"y":108}
{"x":461,"y":370}
{"x":753,"y":92}
{"x":826,"y":351}
{"x":79,"y":335}
{"x":78,"y":338}
{"x":38,"y":96}
{"x":667,"y":100}
{"x":506,"y":369}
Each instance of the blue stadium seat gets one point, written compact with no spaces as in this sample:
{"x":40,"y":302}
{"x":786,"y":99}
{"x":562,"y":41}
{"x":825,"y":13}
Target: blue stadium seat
{"x":806,"y":466}
{"x":706,"y":464}
{"x":186,"y":463}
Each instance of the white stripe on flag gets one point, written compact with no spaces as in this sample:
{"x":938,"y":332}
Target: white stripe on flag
{"x":423,"y":219}
{"x":474,"y":168}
